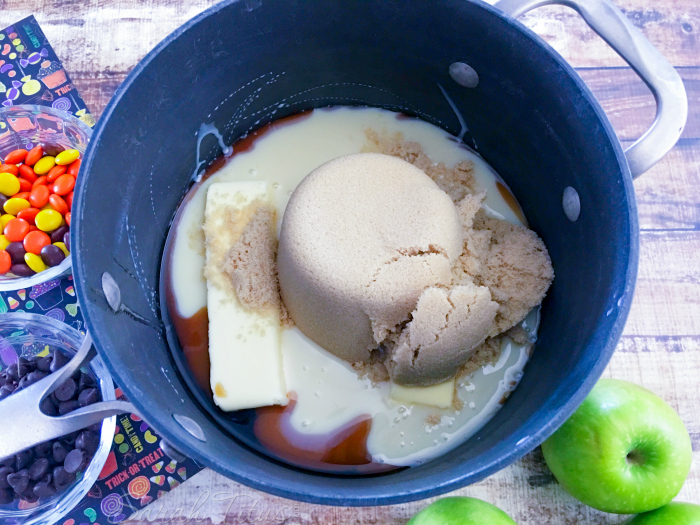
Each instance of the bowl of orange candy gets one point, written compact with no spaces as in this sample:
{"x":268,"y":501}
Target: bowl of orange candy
{"x":41,"y":149}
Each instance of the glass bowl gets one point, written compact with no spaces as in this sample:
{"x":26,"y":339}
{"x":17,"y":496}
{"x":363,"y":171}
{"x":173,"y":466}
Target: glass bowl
{"x":25,"y":127}
{"x":26,"y":335}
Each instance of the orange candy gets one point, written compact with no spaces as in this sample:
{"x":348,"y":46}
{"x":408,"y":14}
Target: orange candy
{"x":39,"y":196}
{"x":67,"y":217}
{"x":28,"y":214}
{"x":55,"y":173}
{"x":16,"y":230}
{"x":41,"y":181}
{"x":34,"y":155}
{"x":5,"y":262}
{"x":22,"y":195}
{"x":16,"y":156}
{"x":9,"y":168}
{"x":24,"y":185}
{"x":64,"y":185}
{"x":58,"y":204}
{"x":27,"y":173}
{"x":69,"y":200}
{"x":35,"y":241}
{"x":74,"y":167}
{"x":33,"y":228}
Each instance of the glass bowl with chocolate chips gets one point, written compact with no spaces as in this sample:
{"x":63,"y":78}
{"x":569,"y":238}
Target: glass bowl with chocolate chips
{"x":41,"y":484}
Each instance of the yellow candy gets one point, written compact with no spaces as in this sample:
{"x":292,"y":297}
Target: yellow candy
{"x":14,"y":206}
{"x":47,"y":207}
{"x":4,"y":243}
{"x":34,"y":262}
{"x":4,"y":219}
{"x":44,"y":165}
{"x":67,"y":157}
{"x":63,"y":247}
{"x":48,"y":220}
{"x":9,"y":184}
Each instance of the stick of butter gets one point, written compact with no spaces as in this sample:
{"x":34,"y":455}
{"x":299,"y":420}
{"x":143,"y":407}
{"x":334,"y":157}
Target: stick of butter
{"x":244,"y":344}
{"x":437,"y":395}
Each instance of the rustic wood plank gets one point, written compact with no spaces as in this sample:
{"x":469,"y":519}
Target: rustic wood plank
{"x":128,"y":29}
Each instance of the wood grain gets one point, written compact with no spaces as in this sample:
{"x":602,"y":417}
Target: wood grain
{"x":101,"y":40}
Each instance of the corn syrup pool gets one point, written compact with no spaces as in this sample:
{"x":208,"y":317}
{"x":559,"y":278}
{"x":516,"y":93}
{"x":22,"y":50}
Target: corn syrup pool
{"x":336,"y":422}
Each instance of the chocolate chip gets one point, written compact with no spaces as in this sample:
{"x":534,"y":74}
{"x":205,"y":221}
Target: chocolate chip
{"x":4,"y":472}
{"x":47,"y":407}
{"x":75,"y":461}
{"x":4,"y":378}
{"x":59,"y":360}
{"x":88,"y":397}
{"x":97,"y":427}
{"x":44,"y":490}
{"x":67,"y":406}
{"x":6,"y":496}
{"x":6,"y":391}
{"x":38,"y":469}
{"x":66,"y":390}
{"x":44,"y":364}
{"x":13,"y":371}
{"x":43,"y":450}
{"x":61,"y":478}
{"x":19,"y":481}
{"x":69,"y":439}
{"x":22,"y":459}
{"x":31,"y":378}
{"x":86,"y":381}
{"x":60,"y":451}
{"x":88,"y":441}
{"x":8,"y":462}
{"x":28,"y":495}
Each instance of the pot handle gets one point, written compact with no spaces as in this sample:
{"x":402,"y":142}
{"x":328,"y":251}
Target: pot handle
{"x":26,"y":425}
{"x":664,"y":82}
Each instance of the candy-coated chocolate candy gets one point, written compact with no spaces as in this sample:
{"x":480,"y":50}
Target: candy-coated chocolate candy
{"x":67,"y":218}
{"x":34,"y":262}
{"x":52,"y":255}
{"x":34,"y":155}
{"x":28,"y":214}
{"x":44,"y":165}
{"x":21,"y":270}
{"x":3,"y":200}
{"x":66,"y":240}
{"x":67,"y":157}
{"x":64,"y":185}
{"x":9,"y":184}
{"x":22,"y":195}
{"x":55,"y":173}
{"x":58,"y":204}
{"x":15,"y":205}
{"x":48,"y":220}
{"x":63,"y":247}
{"x":24,"y":185}
{"x":53,"y":149}
{"x":58,"y":233}
{"x":16,"y":230}
{"x":16,"y":156}
{"x":35,"y":241}
{"x":4,"y":219}
{"x":5,"y":263}
{"x":27,"y":173}
{"x":69,"y":200}
{"x":9,"y":168}
{"x":33,"y":228}
{"x":4,"y":243}
{"x":39,"y":196}
{"x":40,"y":181}
{"x":16,"y":251}
{"x":74,"y":168}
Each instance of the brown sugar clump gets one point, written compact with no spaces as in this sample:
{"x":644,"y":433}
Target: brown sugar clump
{"x":251,"y":263}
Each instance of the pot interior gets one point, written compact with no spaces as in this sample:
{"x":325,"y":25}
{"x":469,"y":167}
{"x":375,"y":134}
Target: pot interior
{"x":242,"y":64}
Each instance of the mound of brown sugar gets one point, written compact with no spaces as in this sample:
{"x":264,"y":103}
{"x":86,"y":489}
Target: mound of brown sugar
{"x":251,"y":263}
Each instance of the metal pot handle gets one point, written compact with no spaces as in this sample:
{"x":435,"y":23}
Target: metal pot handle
{"x":26,"y":425}
{"x":663,"y":80}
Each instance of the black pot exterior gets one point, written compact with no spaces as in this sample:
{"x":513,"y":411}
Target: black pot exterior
{"x":242,"y":64}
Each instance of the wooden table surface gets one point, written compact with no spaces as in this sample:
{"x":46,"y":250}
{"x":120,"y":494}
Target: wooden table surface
{"x":99,"y":41}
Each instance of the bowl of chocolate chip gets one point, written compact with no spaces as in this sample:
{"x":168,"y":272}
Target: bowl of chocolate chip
{"x":41,"y":484}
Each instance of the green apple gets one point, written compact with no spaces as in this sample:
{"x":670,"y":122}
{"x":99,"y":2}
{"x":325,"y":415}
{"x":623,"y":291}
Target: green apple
{"x":675,"y":513}
{"x":460,"y":510}
{"x":624,"y":450}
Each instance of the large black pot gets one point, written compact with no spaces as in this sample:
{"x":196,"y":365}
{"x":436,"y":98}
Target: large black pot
{"x":244,"y":63}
